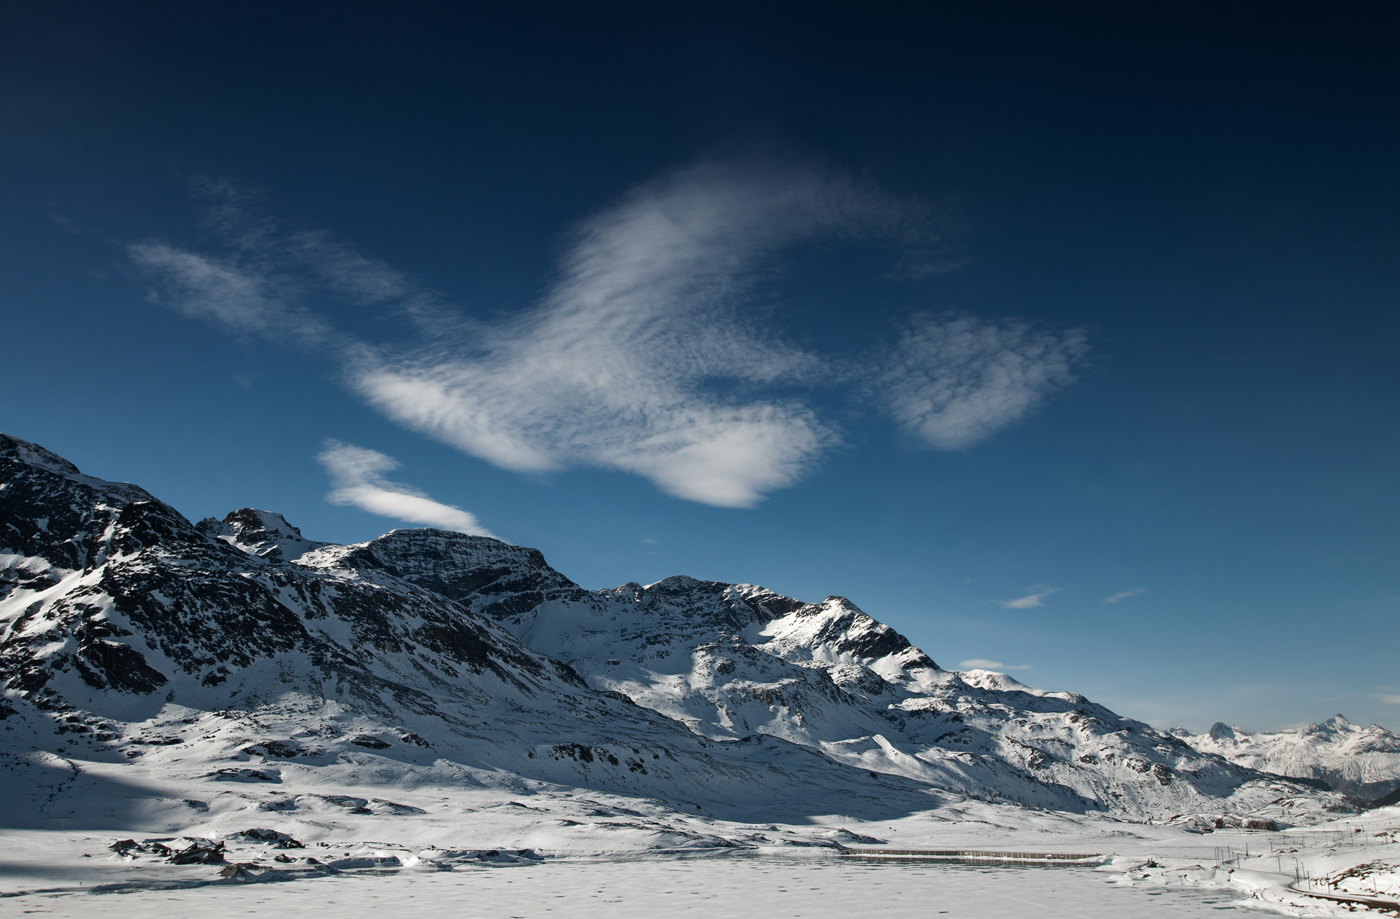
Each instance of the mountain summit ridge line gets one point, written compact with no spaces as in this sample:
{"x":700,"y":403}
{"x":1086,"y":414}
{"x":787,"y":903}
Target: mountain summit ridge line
{"x":427,"y":646}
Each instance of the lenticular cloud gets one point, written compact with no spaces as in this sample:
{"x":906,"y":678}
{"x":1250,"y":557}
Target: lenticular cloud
{"x":357,"y":475}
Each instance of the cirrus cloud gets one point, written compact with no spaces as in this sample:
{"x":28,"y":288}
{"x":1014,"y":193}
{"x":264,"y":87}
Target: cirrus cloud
{"x":1030,"y":600}
{"x":641,"y":357}
{"x":978,"y":663}
{"x":953,"y":381}
{"x":612,"y":368}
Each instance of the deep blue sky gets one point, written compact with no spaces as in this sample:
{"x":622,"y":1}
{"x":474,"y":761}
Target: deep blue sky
{"x":1182,"y":217}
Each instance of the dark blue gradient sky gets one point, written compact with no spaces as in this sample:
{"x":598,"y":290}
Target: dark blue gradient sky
{"x":1203,"y":195}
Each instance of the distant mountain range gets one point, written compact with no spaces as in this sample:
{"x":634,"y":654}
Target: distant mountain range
{"x":1361,"y":762}
{"x":234,"y":648}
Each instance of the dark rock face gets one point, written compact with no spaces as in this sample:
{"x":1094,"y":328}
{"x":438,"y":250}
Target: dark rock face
{"x":261,"y":533}
{"x":53,"y":515}
{"x":711,"y":604}
{"x":497,"y":579}
{"x":152,"y":596}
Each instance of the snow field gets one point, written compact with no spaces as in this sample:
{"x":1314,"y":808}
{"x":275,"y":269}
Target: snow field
{"x":745,"y":885}
{"x":597,"y":857}
{"x":1356,"y":857}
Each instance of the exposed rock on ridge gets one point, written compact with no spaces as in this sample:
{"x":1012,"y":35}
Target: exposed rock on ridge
{"x":261,"y":533}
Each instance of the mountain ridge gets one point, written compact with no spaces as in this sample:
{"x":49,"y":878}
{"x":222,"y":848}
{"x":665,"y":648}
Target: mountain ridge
{"x":441,"y":647}
{"x":1363,"y":762}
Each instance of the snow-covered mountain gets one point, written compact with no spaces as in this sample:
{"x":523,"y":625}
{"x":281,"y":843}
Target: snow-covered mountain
{"x":239,"y":651}
{"x":734,"y":660}
{"x":1361,"y":762}
{"x":117,"y":611}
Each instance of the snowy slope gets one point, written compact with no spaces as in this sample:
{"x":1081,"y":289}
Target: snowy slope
{"x":238,"y":654}
{"x":1362,"y":762}
{"x":130,"y":634}
{"x":734,"y":661}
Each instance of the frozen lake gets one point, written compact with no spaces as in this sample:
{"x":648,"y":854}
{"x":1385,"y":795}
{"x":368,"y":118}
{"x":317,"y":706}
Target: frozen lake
{"x":770,"y":886}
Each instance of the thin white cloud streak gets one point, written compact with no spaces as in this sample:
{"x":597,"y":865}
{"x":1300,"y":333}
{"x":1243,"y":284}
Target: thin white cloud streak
{"x":639,"y":358}
{"x":209,"y":288}
{"x":256,"y":287}
{"x":1389,"y":698}
{"x":1119,"y":597}
{"x":1031,"y":600}
{"x":954,"y":381}
{"x":365,"y":280}
{"x":978,"y":664}
{"x":357,"y":475}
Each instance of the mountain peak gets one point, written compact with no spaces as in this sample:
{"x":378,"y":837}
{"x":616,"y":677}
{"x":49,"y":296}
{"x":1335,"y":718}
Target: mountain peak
{"x":32,"y":454}
{"x":1221,"y":731}
{"x":1335,"y":724}
{"x":265,"y":534}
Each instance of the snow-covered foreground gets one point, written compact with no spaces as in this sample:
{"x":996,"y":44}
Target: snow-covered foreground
{"x":1346,"y":866}
{"x":765,"y":886}
{"x":561,"y":855}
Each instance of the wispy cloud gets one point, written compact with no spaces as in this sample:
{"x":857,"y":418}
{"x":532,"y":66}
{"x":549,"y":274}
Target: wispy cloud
{"x":1389,"y":698}
{"x":1030,"y":600}
{"x":955,"y":381}
{"x":256,"y":285}
{"x":346,"y":271}
{"x":615,"y":368}
{"x":63,"y":221}
{"x":209,"y":288}
{"x":1118,"y":597}
{"x":978,"y":663}
{"x":357,"y":475}
{"x":640,"y":357}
